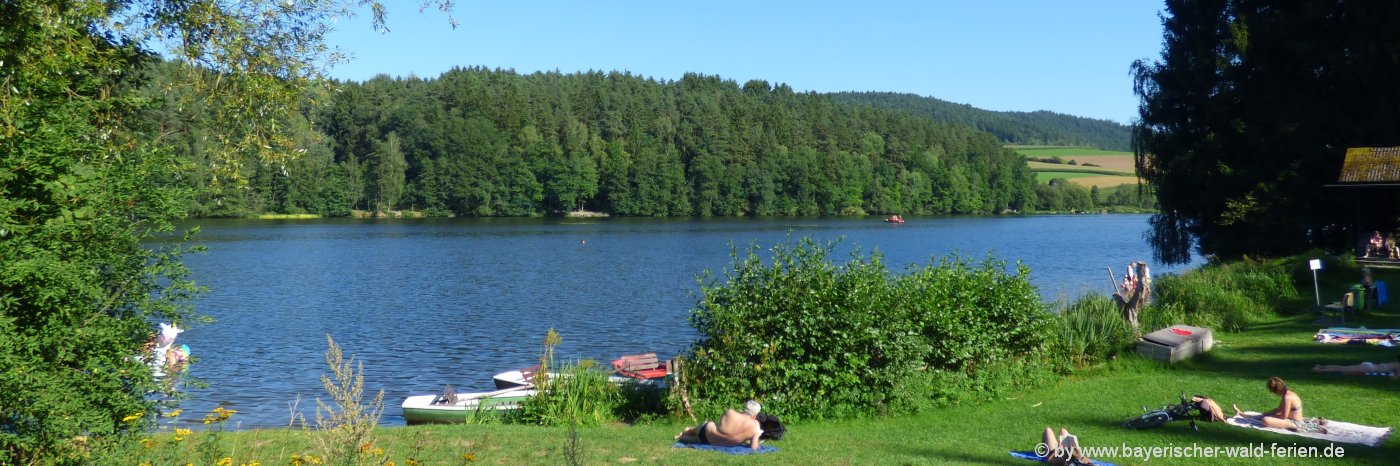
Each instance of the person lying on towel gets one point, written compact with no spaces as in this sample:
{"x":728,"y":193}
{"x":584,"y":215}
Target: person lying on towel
{"x":1366,"y":368}
{"x":733,"y":429}
{"x":1061,"y":450}
{"x":1289,"y":413}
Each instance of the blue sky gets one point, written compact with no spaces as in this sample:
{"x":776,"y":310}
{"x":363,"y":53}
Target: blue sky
{"x":1065,"y":56}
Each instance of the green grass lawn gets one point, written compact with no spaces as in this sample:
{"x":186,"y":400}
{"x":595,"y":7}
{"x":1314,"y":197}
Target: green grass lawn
{"x":1091,"y":404}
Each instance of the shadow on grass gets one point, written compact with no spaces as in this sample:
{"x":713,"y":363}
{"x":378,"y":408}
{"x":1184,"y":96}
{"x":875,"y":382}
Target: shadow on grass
{"x":955,"y":456}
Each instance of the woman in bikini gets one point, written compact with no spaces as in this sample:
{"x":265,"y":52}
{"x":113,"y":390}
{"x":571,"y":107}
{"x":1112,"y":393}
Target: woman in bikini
{"x":1289,"y":413}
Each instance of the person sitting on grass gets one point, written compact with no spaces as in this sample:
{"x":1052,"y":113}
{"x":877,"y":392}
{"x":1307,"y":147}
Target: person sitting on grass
{"x":733,"y":429}
{"x":1289,"y":413}
{"x":1062,"y":450}
{"x":1208,"y":408}
{"x":1365,"y":368}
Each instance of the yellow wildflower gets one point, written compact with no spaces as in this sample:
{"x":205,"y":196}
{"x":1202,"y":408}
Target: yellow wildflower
{"x":175,"y":413}
{"x":389,"y":463}
{"x":145,"y":463}
{"x":378,"y":451}
{"x":296,"y":460}
{"x":365,"y":447}
{"x":181,"y":433}
{"x":469,"y":457}
{"x":255,"y":463}
{"x":133,"y":417}
{"x":411,"y":461}
{"x":315,"y":459}
{"x":225,"y":461}
{"x":148,"y":443}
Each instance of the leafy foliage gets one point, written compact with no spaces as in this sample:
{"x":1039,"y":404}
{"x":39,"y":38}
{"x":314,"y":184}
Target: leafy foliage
{"x":1246,"y":116}
{"x":89,"y":188}
{"x":816,"y":340}
{"x":78,"y":194}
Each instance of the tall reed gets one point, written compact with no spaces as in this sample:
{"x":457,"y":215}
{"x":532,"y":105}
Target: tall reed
{"x":1224,"y":296}
{"x":1092,"y":330}
{"x":576,"y":394}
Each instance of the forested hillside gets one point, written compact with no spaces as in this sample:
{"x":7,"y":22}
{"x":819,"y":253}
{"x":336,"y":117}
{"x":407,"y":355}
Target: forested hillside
{"x":1035,"y":128}
{"x":479,"y":142}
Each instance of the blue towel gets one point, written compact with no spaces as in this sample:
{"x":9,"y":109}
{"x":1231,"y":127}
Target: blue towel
{"x":1030,"y":455}
{"x":735,"y":450}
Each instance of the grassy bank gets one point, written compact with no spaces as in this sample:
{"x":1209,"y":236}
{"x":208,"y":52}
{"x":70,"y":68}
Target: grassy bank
{"x":1092,"y":403}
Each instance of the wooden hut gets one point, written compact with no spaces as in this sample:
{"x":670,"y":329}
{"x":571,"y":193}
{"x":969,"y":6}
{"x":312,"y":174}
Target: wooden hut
{"x":1372,"y":174}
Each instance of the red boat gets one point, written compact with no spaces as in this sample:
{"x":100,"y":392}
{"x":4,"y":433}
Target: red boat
{"x":641,"y":366}
{"x":894,"y":219}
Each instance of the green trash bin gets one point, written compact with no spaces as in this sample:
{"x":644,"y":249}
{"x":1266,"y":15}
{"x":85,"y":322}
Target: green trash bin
{"x":1358,"y":294}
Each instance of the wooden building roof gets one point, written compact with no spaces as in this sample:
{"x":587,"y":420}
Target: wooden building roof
{"x":1371,"y":165}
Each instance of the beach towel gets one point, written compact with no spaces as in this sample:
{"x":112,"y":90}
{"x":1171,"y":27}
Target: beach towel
{"x":734,"y":450}
{"x":1359,"y":330}
{"x":1030,"y":455}
{"x":1337,"y":431}
{"x":1352,"y":336}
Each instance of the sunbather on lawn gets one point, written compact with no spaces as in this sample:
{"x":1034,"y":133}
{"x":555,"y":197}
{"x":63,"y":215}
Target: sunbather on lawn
{"x":1063,"y":449}
{"x":1362,"y":369}
{"x":733,"y":429}
{"x":1289,"y":413}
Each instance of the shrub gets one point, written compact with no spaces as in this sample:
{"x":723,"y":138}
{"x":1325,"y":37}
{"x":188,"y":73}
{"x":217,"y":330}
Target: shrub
{"x":816,"y":340}
{"x":346,"y":425}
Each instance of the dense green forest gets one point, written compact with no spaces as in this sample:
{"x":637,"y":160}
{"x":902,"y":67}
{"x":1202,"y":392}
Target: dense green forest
{"x":481,"y":142}
{"x":1033,"y":128}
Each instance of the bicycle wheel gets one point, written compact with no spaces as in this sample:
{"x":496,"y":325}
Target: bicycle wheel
{"x":1148,"y":420}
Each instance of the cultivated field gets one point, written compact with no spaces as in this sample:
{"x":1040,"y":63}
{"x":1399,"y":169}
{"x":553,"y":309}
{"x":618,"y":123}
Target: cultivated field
{"x":1113,"y":168}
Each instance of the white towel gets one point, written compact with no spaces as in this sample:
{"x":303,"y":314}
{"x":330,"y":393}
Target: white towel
{"x":1337,"y":431}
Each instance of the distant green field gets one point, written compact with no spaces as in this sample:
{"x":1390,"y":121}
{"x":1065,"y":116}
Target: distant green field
{"x":1045,"y":177}
{"x":1062,"y":151}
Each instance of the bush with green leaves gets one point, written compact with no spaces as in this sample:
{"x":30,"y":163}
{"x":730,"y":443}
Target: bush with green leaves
{"x":812,"y":339}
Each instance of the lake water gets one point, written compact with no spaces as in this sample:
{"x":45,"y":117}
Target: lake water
{"x":423,"y":303}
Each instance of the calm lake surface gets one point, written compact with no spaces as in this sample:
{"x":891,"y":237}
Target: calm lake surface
{"x":423,"y":303}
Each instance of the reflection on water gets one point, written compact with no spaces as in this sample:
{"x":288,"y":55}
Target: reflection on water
{"x":424,"y":303}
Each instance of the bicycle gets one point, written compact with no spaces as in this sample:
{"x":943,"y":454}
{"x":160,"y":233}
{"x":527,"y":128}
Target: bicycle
{"x":1188,"y":409}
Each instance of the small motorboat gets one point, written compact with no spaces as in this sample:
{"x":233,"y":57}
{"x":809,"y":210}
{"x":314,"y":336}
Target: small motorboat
{"x":451,"y":408}
{"x":894,"y":219}
{"x":526,"y":377}
{"x":516,"y":378}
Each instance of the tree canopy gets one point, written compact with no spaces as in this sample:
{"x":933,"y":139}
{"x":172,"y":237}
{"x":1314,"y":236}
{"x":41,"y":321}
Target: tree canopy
{"x":1032,"y":128}
{"x":482,"y":142}
{"x":1246,"y":117}
{"x":89,"y":187}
